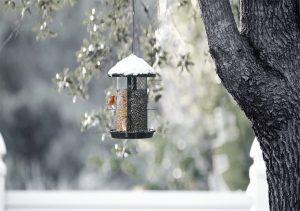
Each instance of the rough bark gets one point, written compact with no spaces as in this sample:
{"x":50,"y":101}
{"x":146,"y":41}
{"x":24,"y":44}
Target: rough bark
{"x":260,"y":67}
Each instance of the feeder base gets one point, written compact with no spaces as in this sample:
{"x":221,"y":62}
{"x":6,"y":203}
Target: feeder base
{"x":132,"y":135}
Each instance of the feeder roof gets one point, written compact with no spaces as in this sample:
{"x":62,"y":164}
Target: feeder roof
{"x":132,"y":66}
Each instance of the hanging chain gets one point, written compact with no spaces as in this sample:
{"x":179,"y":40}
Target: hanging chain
{"x":133,"y":27}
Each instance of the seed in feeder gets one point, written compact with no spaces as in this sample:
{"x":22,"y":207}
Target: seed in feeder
{"x":137,"y":110}
{"x":124,"y":124}
{"x":122,"y":113}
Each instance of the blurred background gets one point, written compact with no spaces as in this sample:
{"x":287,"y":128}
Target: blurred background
{"x":54,"y":58}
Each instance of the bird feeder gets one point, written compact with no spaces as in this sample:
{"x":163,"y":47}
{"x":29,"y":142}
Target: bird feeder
{"x":131,"y":98}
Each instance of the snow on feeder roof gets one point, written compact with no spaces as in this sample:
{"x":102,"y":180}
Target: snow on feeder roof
{"x":132,"y":66}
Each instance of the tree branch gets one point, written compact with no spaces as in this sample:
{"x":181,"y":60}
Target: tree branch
{"x":252,"y":83}
{"x":273,"y":30}
{"x":225,"y":42}
{"x":219,"y":23}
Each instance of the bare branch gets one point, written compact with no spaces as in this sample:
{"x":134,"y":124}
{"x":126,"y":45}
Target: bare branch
{"x":219,"y":23}
{"x":12,"y":35}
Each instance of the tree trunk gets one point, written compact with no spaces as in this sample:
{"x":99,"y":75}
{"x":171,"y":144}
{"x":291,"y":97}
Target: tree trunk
{"x":260,"y":67}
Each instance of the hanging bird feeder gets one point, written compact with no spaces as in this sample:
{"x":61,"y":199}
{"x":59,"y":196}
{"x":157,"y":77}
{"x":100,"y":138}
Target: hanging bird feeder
{"x":131,"y":99}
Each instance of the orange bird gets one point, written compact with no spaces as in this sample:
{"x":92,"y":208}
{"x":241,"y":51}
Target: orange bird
{"x":111,"y":101}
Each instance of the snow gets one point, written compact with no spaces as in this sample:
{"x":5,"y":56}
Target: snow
{"x":131,"y":65}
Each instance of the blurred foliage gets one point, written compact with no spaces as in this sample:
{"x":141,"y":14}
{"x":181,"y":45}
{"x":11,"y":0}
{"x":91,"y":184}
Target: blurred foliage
{"x":45,"y":9}
{"x":196,"y":120}
{"x":185,"y":62}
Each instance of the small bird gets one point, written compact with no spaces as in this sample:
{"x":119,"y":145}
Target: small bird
{"x":111,"y":101}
